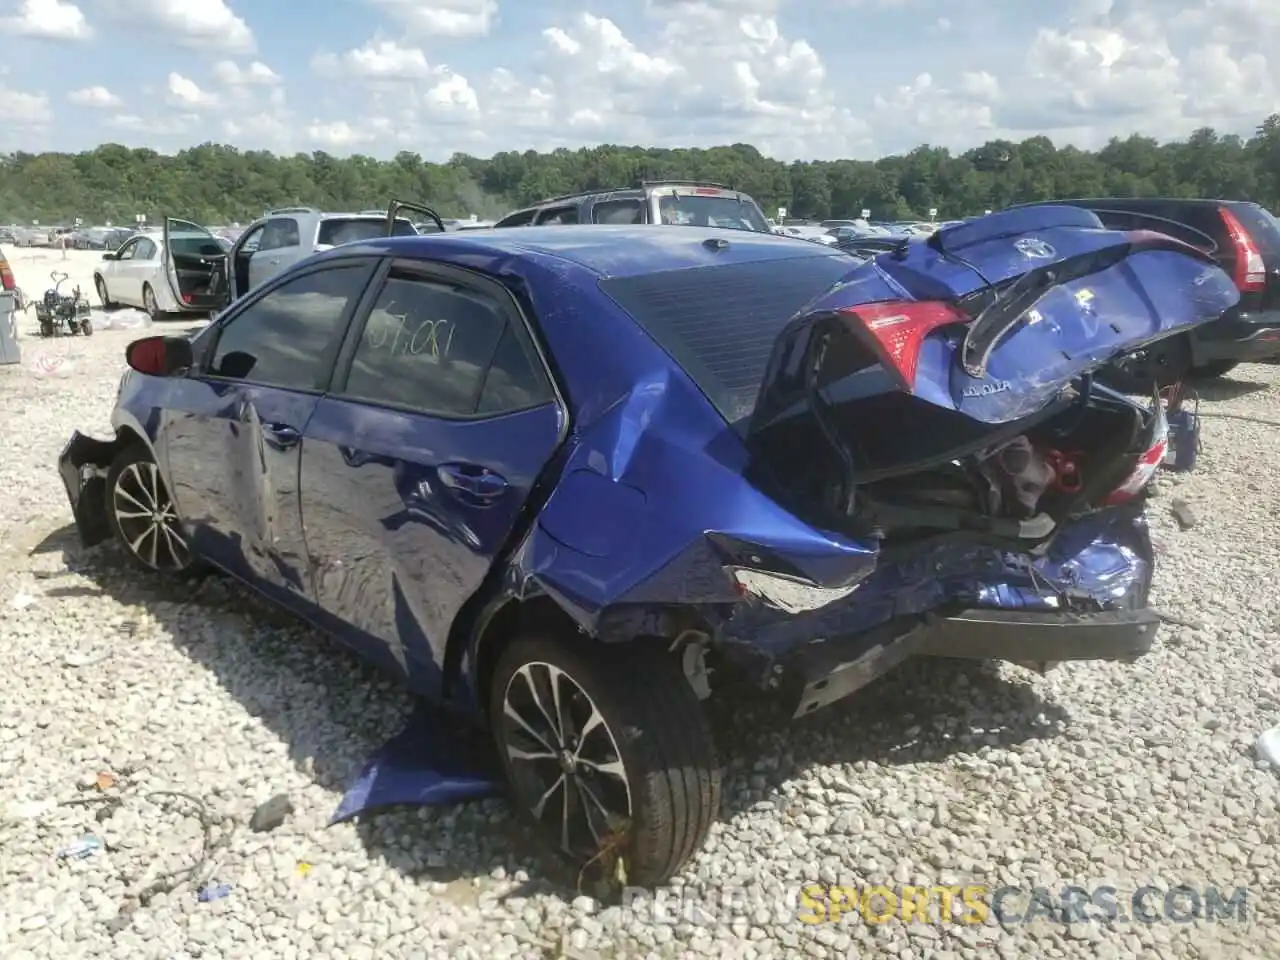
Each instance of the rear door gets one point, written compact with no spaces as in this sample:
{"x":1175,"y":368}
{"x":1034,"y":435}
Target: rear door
{"x":417,"y":466}
{"x":194,"y":265}
{"x":279,"y":247}
{"x":235,"y":424}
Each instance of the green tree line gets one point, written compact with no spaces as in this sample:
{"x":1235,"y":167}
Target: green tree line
{"x":215,"y":183}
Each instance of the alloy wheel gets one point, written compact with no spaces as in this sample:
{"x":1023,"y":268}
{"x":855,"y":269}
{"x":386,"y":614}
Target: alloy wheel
{"x":102,"y":289}
{"x":564,"y":760}
{"x":147,"y":520}
{"x":149,"y":302}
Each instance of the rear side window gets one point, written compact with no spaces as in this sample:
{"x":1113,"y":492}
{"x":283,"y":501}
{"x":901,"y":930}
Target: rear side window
{"x":720,"y":322}
{"x":618,"y":211}
{"x":427,"y":346}
{"x":279,"y":233}
{"x":336,"y":230}
{"x":521,"y":218}
{"x":1262,"y":227}
{"x":694,"y":210}
{"x":559,"y":215}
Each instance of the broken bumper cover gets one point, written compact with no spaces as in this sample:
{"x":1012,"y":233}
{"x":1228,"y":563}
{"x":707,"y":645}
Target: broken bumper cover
{"x":830,"y":670}
{"x":83,"y":466}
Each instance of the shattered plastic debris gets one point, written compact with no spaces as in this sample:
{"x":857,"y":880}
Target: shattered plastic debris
{"x":303,"y":869}
{"x":78,"y":659}
{"x":104,"y":780}
{"x":123,"y":320}
{"x":1183,"y":513}
{"x":213,"y":891}
{"x":82,"y":848}
{"x":1268,"y":747}
{"x":271,"y":814}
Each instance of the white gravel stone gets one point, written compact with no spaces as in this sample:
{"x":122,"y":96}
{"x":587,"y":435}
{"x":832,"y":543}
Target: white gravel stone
{"x":941,"y":774}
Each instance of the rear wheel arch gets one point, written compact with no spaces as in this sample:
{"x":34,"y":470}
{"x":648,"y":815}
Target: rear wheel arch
{"x":541,"y":614}
{"x":479,"y":649}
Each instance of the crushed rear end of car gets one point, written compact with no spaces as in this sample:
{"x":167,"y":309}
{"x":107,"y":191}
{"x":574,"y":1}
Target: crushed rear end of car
{"x":974,"y":494}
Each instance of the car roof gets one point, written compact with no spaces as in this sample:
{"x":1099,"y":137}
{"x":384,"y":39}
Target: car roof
{"x":606,"y":250}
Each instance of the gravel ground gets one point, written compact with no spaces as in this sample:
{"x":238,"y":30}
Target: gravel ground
{"x":941,"y":774}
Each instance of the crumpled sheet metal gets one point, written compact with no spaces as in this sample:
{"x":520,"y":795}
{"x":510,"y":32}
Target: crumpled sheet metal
{"x":434,"y":761}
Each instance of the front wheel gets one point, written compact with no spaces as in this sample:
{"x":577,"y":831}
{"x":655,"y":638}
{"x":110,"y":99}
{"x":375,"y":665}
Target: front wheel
{"x":143,"y":517}
{"x":86,"y":327}
{"x":101,"y":286}
{"x":607,"y":754}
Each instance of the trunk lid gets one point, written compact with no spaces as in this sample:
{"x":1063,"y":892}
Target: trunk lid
{"x":990,"y":320}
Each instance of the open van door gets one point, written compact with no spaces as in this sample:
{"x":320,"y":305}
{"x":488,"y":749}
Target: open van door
{"x":195,"y":265}
{"x":393,"y":211}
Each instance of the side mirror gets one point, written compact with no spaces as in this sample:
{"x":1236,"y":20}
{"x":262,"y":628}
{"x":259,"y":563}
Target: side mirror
{"x":160,"y":356}
{"x":108,"y":256}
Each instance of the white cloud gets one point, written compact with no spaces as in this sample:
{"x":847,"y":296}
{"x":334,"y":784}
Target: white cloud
{"x":442,"y":18}
{"x":337,"y":135}
{"x":376,"y":60}
{"x":204,"y":25}
{"x":48,"y":20}
{"x":185,"y":92}
{"x":99,"y":97}
{"x":256,"y":74}
{"x":396,"y":82}
{"x":820,"y":80}
{"x":25,"y":109}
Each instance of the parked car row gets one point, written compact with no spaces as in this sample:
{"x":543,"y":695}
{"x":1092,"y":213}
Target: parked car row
{"x":185,"y":267}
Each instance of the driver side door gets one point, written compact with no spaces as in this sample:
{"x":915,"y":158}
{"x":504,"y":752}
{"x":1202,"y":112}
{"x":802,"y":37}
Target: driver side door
{"x":235,"y":424}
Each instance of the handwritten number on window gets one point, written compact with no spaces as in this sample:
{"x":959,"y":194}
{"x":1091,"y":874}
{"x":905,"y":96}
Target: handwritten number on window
{"x":403,"y":337}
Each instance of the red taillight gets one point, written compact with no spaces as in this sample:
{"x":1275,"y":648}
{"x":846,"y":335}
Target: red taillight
{"x":1250,"y":272}
{"x":901,"y":328}
{"x":186,"y":298}
{"x":6,"y":275}
{"x":1148,"y":464}
{"x":706,"y":191}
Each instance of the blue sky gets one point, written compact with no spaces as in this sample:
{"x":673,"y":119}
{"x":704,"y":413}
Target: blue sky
{"x":798,"y":78}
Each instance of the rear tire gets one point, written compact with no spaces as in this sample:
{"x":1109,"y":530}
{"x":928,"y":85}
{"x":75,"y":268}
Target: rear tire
{"x":632,"y":740}
{"x":150,"y":304}
{"x":1214,"y":369}
{"x":143,"y":518}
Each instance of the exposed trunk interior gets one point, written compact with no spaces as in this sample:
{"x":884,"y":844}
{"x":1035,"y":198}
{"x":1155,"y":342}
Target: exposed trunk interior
{"x":900,"y":469}
{"x":201,"y":279}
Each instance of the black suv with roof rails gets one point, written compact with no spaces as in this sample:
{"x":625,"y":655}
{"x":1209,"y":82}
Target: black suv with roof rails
{"x":1245,"y":239}
{"x":671,"y":202}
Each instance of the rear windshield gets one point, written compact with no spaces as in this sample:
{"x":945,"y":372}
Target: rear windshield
{"x":695,"y":211}
{"x":720,"y":323}
{"x":1262,"y":228}
{"x":336,"y":230}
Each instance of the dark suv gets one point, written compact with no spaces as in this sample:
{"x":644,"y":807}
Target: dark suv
{"x":672,"y":202}
{"x":1245,"y":239}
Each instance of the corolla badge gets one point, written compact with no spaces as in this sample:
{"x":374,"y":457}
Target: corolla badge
{"x":1034,"y":248}
{"x":975,"y":390}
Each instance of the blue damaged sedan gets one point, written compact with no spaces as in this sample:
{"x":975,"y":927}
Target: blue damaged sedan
{"x":560,"y":479}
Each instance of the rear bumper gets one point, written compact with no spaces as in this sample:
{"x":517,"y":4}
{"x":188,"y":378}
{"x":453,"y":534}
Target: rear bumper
{"x":1241,"y":337}
{"x":829,"y":670}
{"x":83,"y":466}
